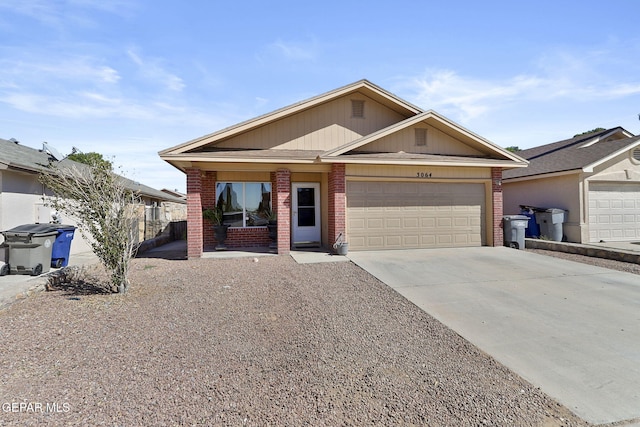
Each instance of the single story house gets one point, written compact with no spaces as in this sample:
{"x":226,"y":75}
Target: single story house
{"x":593,"y":176}
{"x":21,"y":195}
{"x":356,"y":163}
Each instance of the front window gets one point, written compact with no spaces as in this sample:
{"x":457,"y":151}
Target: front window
{"x":244,"y":204}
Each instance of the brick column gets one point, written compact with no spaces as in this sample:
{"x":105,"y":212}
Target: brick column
{"x":496,"y":197}
{"x":208,"y":202}
{"x":283,"y":209}
{"x":337,"y":202}
{"x":194,"y":213}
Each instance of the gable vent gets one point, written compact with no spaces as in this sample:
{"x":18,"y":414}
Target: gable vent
{"x":636,"y":154}
{"x":421,"y":137}
{"x":357,"y":108}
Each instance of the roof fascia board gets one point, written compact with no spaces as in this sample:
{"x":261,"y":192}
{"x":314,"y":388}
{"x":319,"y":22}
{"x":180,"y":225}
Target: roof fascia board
{"x":542,"y":176}
{"x":376,"y":135}
{"x":479,"y":138}
{"x":494,"y":164}
{"x":590,"y":167}
{"x":287,"y":111}
{"x":606,"y":135}
{"x":194,"y":159}
{"x":416,"y":119}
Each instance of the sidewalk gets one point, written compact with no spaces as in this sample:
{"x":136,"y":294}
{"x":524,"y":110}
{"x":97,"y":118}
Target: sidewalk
{"x":14,"y":287}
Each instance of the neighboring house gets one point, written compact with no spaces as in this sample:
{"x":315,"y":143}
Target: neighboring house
{"x":595,"y":177}
{"x":175,"y":193}
{"x":356,"y":161}
{"x":21,"y":196}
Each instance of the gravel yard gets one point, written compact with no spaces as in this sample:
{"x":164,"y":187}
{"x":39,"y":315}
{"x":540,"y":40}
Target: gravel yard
{"x":256,"y":342}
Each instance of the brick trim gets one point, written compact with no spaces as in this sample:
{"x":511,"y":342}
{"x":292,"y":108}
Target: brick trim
{"x":282,"y":204}
{"x":337,"y":202}
{"x":194,"y":213}
{"x":496,"y":197}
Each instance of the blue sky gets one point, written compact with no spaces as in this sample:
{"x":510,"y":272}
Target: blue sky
{"x":127,"y":78}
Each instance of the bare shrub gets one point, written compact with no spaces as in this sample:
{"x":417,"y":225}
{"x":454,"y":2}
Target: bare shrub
{"x":104,"y":208}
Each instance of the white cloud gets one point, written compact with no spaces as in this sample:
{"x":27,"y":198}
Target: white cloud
{"x":152,"y":70}
{"x":75,"y":106}
{"x":59,"y":14}
{"x":469,"y":98}
{"x":27,"y":72}
{"x":292,"y":51}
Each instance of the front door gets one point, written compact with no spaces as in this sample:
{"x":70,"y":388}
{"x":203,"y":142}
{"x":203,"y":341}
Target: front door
{"x":306,"y":213}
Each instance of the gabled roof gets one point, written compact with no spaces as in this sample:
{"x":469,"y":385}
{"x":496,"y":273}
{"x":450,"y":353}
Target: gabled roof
{"x":436,"y":120}
{"x":364,"y":86}
{"x":581,"y":153}
{"x":20,"y":158}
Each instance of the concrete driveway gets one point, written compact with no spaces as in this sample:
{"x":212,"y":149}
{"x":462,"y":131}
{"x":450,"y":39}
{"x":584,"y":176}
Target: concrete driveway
{"x":569,"y":328}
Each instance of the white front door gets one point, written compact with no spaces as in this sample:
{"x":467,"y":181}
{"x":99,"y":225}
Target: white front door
{"x":305,"y":213}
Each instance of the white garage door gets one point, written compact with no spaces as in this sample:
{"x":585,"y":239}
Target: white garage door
{"x":614,"y":212}
{"x":407,"y":215}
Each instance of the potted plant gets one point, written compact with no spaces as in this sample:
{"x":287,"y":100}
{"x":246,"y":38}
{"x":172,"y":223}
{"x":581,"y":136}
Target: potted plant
{"x":273,"y":228}
{"x":216,"y":217}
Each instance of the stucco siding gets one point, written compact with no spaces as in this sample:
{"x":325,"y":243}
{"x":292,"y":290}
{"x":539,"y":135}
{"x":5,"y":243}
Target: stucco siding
{"x":21,"y":200}
{"x":561,"y":192}
{"x":323,"y":127}
{"x":620,"y":168}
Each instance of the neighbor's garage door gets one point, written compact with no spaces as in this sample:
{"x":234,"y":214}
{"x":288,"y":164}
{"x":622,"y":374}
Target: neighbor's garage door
{"x":404,"y":215}
{"x":614,"y":212}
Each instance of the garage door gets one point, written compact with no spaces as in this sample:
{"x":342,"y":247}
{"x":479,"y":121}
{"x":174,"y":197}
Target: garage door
{"x":403,"y":215}
{"x":614,"y":212}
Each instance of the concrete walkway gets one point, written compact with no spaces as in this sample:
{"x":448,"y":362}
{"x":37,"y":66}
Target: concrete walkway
{"x":19,"y":286}
{"x":569,"y":328}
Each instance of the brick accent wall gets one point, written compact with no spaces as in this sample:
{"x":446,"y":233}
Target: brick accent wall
{"x":282,"y":204}
{"x":208,"y":202}
{"x":496,"y":191}
{"x":247,"y":237}
{"x":194,"y":213}
{"x":337,"y":202}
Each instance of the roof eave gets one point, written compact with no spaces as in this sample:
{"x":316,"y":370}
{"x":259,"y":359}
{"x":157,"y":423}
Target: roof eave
{"x":213,"y":159}
{"x":418,"y":162}
{"x":542,"y":175}
{"x":430,"y":114}
{"x":590,"y":167}
{"x":287,"y":111}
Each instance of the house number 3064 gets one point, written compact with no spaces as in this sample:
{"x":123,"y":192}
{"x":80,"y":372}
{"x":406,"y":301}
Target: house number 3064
{"x":423,"y":174}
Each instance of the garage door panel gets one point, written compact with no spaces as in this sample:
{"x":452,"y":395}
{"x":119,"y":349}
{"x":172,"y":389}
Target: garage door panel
{"x":414,"y":215}
{"x":614,"y":211}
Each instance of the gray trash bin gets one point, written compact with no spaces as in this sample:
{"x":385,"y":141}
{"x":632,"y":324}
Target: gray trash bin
{"x":514,"y":229}
{"x":30,"y":248}
{"x":550,"y":222}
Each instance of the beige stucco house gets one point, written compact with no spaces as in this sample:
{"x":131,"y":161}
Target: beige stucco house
{"x":22,"y":196}
{"x":595,"y":177}
{"x":358,"y":162}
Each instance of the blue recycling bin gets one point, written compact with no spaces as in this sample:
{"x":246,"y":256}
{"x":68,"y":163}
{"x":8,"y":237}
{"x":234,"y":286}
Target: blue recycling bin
{"x":62,"y":246}
{"x":533,"y":230}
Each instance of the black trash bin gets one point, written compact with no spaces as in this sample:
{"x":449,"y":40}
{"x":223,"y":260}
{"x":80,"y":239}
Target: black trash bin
{"x":30,"y":247}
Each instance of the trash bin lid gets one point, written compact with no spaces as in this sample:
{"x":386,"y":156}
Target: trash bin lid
{"x":515,"y":217}
{"x":555,"y":210}
{"x":63,"y":227}
{"x":33,"y":229}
